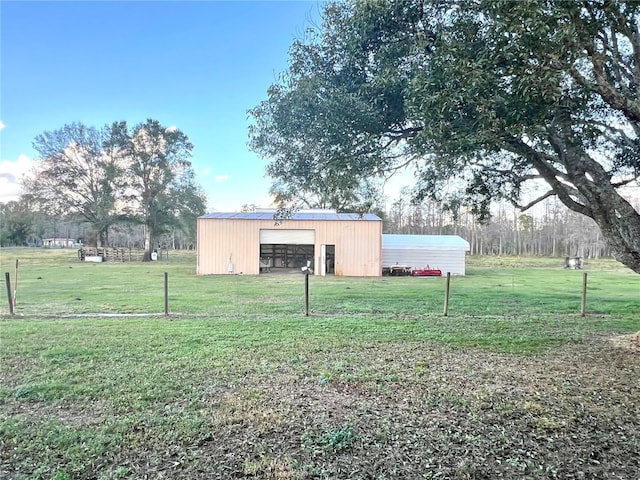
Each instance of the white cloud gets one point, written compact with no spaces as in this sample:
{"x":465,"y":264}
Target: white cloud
{"x":266,"y":202}
{"x":222,"y":178}
{"x":234,"y":206}
{"x":2,"y":125}
{"x":11,"y":173}
{"x":206,"y":172}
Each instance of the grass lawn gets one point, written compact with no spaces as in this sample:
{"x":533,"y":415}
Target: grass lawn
{"x":375,"y":384}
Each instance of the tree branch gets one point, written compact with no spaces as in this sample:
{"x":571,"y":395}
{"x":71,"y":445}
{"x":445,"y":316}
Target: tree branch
{"x":549,"y":173}
{"x":622,"y":183}
{"x":526,"y":207}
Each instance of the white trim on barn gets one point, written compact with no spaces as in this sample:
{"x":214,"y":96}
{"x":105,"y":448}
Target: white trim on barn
{"x":443,"y":252}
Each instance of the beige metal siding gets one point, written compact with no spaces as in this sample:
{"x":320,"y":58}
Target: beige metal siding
{"x":224,"y":241}
{"x":358,"y":244}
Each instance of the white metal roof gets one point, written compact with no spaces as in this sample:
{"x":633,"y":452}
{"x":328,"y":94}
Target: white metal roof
{"x":302,"y":215}
{"x":452,"y":242}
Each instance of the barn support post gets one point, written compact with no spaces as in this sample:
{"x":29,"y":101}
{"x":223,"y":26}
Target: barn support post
{"x":446,"y":295}
{"x":7,"y":278}
{"x":583,"y":303}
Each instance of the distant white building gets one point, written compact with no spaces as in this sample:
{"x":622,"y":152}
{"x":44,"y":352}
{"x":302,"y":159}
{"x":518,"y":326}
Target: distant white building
{"x":60,"y":243}
{"x":443,"y":252}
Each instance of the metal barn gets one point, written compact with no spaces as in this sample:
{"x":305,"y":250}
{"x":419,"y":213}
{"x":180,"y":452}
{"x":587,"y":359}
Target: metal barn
{"x":251,"y":243}
{"x":444,"y":252}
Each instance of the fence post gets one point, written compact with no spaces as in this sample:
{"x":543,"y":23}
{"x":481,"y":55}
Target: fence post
{"x":166,"y":294}
{"x":306,"y":293}
{"x":15,"y":288}
{"x":583,"y":304}
{"x":7,"y":278}
{"x":446,"y":295}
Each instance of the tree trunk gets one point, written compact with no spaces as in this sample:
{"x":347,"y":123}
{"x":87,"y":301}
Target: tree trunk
{"x":620,"y":226}
{"x":149,"y":234}
{"x":619,"y":222}
{"x":102,"y":238}
{"x":597,"y":198}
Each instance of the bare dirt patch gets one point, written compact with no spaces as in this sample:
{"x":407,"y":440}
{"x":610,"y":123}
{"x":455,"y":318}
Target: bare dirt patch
{"x":630,"y":342}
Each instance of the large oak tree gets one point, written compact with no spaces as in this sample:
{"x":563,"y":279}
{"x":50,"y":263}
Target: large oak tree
{"x":481,"y":95}
{"x":76,"y":174}
{"x":160,"y":182}
{"x":117,"y":173}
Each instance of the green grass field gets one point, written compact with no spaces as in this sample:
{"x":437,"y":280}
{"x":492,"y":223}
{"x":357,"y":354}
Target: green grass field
{"x":375,"y":384}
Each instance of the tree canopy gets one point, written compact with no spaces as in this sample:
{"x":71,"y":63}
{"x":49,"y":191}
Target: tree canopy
{"x":16,"y":223}
{"x":479,"y":98}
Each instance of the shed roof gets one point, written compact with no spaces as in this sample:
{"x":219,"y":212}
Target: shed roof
{"x":424,"y":241}
{"x":309,"y":215}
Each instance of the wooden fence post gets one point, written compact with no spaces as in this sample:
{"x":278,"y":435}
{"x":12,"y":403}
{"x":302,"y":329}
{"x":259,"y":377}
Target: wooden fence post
{"x":583,"y":304}
{"x":446,"y":295}
{"x":7,"y":278}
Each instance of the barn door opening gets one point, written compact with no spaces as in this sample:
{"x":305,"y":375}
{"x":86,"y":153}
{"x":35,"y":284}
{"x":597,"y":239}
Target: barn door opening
{"x":286,"y":249}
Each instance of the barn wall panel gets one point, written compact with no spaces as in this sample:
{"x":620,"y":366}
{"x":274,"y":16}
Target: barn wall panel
{"x":222,"y":242}
{"x":358,"y":249}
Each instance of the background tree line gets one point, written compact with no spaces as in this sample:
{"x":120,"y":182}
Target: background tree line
{"x":21,"y":226}
{"x":115,"y":185}
{"x":549,"y":229}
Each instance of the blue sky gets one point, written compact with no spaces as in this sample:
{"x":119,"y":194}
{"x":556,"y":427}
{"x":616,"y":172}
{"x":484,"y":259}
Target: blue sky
{"x":196,"y":65}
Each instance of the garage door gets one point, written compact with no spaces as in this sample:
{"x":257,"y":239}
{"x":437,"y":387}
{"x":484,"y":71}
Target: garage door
{"x":288,"y":237}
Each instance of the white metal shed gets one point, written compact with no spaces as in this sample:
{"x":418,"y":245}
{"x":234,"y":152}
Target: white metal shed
{"x":443,"y":252}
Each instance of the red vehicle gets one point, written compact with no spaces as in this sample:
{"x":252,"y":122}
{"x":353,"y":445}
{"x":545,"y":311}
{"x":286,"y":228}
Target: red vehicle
{"x":426,"y":272}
